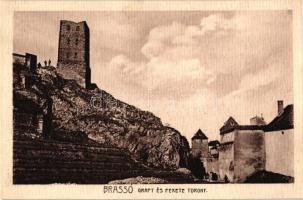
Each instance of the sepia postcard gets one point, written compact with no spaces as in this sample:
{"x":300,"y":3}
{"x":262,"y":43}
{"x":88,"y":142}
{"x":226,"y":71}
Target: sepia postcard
{"x":151,"y":99}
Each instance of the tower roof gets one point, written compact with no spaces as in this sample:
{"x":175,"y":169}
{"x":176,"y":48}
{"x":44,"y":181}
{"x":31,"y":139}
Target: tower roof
{"x":282,"y":121}
{"x":199,"y":135}
{"x":229,"y":124}
{"x":214,"y":143}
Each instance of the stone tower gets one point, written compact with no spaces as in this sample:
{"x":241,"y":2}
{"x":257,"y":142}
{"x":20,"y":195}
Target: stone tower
{"x":73,"y":52}
{"x":200,"y":145}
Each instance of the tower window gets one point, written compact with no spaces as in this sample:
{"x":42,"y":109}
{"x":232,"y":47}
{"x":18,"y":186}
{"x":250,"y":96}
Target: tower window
{"x":67,"y":55}
{"x":77,"y":28}
{"x":68,"y":41}
{"x":68,"y":27}
{"x":76,"y":54}
{"x":77,"y":41}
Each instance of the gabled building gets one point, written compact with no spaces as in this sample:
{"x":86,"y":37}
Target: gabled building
{"x":247,"y":149}
{"x":279,"y":142}
{"x":242,"y":151}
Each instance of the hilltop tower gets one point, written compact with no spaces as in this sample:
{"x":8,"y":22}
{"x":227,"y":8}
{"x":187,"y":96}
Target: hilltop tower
{"x":73,"y":52}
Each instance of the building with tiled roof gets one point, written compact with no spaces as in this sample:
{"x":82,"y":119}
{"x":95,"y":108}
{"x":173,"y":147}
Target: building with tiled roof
{"x":241,"y":151}
{"x":246,"y":149}
{"x":283,"y":121}
{"x":279,"y":142}
{"x":214,"y":143}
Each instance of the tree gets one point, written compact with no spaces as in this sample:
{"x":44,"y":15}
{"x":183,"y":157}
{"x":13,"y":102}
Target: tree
{"x":197,"y":167}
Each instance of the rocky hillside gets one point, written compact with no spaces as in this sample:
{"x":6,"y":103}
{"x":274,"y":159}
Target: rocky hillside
{"x":106,"y":120}
{"x":40,"y":161}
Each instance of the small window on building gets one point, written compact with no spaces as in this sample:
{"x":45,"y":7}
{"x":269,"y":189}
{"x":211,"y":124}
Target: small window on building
{"x":68,"y":41}
{"x":67,"y":55}
{"x":77,"y":28}
{"x":77,"y":41}
{"x":75,"y":55}
{"x":68,"y":27}
{"x":282,"y":132}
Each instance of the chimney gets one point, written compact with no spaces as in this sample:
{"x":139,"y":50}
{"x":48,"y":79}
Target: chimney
{"x":280,"y":107}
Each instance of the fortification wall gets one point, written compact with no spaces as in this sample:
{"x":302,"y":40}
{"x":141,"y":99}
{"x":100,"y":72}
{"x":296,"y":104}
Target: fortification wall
{"x":249,"y":147}
{"x":226,"y":156}
{"x":279,"y":147}
{"x":48,"y":161}
{"x":212,"y":165}
{"x":226,"y":161}
{"x":73,"y":72}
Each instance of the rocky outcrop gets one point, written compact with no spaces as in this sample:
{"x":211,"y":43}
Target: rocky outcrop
{"x":106,"y":120}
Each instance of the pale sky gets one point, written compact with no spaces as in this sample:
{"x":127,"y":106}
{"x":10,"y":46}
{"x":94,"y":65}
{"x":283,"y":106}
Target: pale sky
{"x":191,"y":69}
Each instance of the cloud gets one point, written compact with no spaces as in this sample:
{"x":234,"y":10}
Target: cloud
{"x":191,"y":56}
{"x":185,"y":61}
{"x":176,"y":35}
{"x":261,"y":78}
{"x":169,"y":61}
{"x":113,"y":34}
{"x":253,"y":81}
{"x":159,"y":71}
{"x":165,"y":71}
{"x":218,"y":22}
